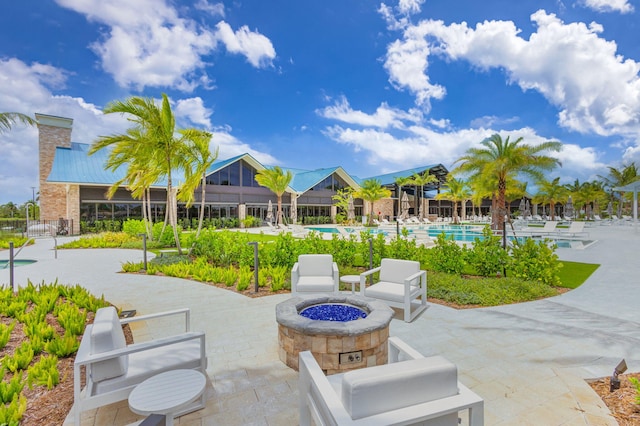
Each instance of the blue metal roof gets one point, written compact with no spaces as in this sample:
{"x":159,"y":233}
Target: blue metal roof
{"x":390,"y":178}
{"x":75,"y":165}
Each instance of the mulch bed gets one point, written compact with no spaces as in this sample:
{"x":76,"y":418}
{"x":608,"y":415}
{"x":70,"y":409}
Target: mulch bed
{"x":621,"y":402}
{"x":49,"y":407}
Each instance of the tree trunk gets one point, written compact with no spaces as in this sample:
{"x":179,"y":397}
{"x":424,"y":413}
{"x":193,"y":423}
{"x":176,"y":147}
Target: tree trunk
{"x":202,"y":204}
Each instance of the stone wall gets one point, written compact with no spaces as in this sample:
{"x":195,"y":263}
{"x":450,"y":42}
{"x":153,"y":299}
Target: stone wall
{"x":54,"y":132}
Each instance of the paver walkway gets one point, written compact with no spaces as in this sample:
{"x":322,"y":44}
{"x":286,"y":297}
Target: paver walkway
{"x":528,"y":361}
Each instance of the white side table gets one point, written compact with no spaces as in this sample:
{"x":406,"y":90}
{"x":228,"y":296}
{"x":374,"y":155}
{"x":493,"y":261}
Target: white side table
{"x":351,"y":279}
{"x":167,"y":393}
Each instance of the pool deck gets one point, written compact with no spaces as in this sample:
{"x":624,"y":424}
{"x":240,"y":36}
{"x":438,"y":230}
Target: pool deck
{"x":528,"y":361}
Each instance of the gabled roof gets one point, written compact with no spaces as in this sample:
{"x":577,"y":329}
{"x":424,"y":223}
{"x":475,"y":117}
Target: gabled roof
{"x":390,"y":178}
{"x":219,"y":165}
{"x":305,"y":180}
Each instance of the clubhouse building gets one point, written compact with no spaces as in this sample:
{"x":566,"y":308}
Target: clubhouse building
{"x":73,"y":186}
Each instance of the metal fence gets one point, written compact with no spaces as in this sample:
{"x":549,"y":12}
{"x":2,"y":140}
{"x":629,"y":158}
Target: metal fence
{"x":36,"y":228}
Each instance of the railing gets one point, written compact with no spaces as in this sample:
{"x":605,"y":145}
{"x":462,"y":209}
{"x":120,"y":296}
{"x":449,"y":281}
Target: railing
{"x":37,"y":228}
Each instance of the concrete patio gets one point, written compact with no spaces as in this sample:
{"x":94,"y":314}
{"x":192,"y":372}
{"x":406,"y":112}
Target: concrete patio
{"x":528,"y":361}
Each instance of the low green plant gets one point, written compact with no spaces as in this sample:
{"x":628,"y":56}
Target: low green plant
{"x":62,"y":346}
{"x":72,"y":319}
{"x":20,"y":359}
{"x":12,"y":413}
{"x":245,"y":274}
{"x":9,"y":390}
{"x":262,"y":277}
{"x":636,"y":384}
{"x":44,"y":373}
{"x":278,"y":277}
{"x":230,"y":276}
{"x":132,"y":266}
{"x":39,"y":329}
{"x":5,"y":333}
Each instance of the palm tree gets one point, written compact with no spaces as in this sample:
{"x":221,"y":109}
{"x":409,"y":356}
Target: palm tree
{"x":400,"y":182}
{"x":198,"y":158}
{"x":620,"y":177}
{"x":504,"y":159}
{"x":131,"y":149}
{"x":371,"y":191}
{"x":456,"y":190}
{"x":155,"y":128}
{"x":8,"y":119}
{"x":422,"y":180}
{"x":551,"y":192}
{"x":277,"y":181}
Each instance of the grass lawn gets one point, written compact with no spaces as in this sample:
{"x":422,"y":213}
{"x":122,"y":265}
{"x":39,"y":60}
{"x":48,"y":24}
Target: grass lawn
{"x":573,"y":274}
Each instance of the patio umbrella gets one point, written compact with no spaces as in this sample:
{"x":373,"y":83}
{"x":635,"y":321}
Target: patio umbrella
{"x":589,"y":212}
{"x":351,"y":210}
{"x":294,"y":208}
{"x":535,"y":209}
{"x":404,"y":206}
{"x":609,"y":209}
{"x":527,"y":210}
{"x":269,"y":217}
{"x":522,"y":206}
{"x":568,"y":208}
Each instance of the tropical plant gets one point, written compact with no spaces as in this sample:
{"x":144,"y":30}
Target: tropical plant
{"x":8,"y":119}
{"x":154,"y":131}
{"x":421,"y":180}
{"x":44,"y":372}
{"x":198,"y":158}
{"x":341,"y":200}
{"x":551,"y":192}
{"x":371,"y":191}
{"x":456,"y":190}
{"x":620,"y":177}
{"x":502,"y":159}
{"x":276,"y":180}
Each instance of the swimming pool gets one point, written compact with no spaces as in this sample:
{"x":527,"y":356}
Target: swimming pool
{"x":4,"y":263}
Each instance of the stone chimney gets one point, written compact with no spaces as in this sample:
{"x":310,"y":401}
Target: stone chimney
{"x":53,"y":132}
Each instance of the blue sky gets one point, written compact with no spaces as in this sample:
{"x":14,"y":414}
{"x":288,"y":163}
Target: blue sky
{"x":373,"y":87}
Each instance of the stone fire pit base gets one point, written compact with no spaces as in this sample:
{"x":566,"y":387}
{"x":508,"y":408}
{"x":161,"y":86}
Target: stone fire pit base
{"x":327,"y":340}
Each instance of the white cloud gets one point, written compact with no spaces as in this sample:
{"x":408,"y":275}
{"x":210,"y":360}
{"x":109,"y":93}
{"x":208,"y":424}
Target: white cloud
{"x":621,"y":6}
{"x":230,"y":146}
{"x":213,"y":9}
{"x":383,"y":118}
{"x":605,"y":100}
{"x":31,"y":91}
{"x":254,"y":46}
{"x":193,"y":109}
{"x":148,"y":44}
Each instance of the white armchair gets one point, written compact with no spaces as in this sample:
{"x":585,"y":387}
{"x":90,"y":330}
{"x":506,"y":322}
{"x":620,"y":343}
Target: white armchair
{"x":315,"y":273}
{"x":113,"y":368}
{"x":400,"y":283}
{"x":411,"y":389}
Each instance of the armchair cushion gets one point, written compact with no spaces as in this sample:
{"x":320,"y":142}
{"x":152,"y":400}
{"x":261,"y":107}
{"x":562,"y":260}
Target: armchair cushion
{"x":396,"y":270}
{"x":106,"y":335}
{"x":390,"y":291}
{"x":314,"y":265}
{"x":383,"y":388}
{"x":316,"y":284}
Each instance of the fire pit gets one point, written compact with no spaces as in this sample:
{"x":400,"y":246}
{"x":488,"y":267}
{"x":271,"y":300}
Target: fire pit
{"x":338,"y":345}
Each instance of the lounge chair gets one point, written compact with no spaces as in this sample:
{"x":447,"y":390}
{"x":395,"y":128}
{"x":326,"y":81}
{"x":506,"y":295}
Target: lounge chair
{"x":548,"y":228}
{"x":315,"y":273}
{"x":575,"y":229}
{"x":410,"y":389}
{"x":400,"y":283}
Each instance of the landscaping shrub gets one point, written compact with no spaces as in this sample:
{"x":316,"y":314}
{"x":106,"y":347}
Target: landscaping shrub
{"x":535,"y":261}
{"x":486,"y":256}
{"x":446,"y":256}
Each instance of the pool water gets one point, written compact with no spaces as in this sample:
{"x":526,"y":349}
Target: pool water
{"x":4,"y":263}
